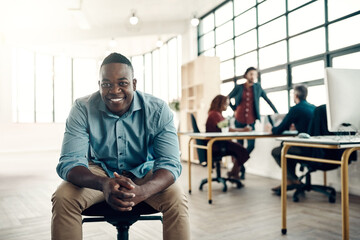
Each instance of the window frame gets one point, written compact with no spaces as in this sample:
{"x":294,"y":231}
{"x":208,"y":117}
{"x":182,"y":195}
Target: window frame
{"x":326,"y":56}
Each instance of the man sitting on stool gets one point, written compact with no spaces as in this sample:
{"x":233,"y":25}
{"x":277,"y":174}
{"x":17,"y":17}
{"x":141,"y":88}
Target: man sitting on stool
{"x":120,"y":145}
{"x":300,"y":115}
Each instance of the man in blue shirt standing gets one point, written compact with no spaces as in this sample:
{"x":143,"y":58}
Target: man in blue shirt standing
{"x":300,"y":115}
{"x":121,"y":146}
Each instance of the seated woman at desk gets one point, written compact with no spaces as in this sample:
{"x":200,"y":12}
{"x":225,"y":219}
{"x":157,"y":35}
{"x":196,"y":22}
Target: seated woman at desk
{"x":239,"y":153}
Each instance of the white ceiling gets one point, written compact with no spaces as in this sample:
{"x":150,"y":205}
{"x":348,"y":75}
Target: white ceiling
{"x":48,"y":25}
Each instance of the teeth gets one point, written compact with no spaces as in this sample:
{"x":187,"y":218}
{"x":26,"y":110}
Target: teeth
{"x":116,"y":99}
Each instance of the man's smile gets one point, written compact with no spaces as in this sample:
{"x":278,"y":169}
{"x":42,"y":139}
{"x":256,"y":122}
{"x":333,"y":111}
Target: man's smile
{"x":116,"y":99}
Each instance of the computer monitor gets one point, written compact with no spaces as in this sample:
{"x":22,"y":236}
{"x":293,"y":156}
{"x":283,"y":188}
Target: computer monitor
{"x":343,"y":99}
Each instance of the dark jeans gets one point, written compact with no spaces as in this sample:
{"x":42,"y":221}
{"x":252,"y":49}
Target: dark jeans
{"x":291,"y":163}
{"x":250,"y":142}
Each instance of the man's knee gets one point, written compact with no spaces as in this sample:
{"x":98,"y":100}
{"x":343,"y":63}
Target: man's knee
{"x":66,"y":196}
{"x":175,"y":198}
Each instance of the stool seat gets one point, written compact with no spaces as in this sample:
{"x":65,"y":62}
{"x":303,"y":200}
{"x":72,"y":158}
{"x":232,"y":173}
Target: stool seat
{"x":102,"y":211}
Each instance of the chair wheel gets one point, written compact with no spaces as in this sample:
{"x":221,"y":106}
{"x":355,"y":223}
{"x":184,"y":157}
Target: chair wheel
{"x":332,"y":199}
{"x":239,"y":185}
{"x":224,"y":189}
{"x":295,"y":199}
{"x":201,"y":188}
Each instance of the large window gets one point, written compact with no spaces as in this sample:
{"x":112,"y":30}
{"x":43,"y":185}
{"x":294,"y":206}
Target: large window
{"x":44,"y":86}
{"x":289,"y":41}
{"x":159,"y":70}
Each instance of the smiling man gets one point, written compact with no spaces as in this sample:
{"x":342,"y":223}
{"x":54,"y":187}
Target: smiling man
{"x":120,"y":145}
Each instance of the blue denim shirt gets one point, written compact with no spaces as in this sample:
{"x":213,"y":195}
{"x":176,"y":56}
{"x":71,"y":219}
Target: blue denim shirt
{"x":143,"y":139}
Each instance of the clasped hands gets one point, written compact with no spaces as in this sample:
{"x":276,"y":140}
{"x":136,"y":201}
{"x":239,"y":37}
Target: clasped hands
{"x":121,"y":193}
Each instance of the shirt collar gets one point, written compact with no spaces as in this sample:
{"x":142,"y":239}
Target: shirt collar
{"x":135,"y":106}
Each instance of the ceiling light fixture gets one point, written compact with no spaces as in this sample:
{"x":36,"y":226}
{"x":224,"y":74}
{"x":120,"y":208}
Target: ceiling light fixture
{"x":133,"y":19}
{"x":194,"y":21}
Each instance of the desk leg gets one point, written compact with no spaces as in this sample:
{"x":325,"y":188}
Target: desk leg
{"x":345,"y":193}
{"x":284,"y":150}
{"x":209,"y":165}
{"x":189,"y":163}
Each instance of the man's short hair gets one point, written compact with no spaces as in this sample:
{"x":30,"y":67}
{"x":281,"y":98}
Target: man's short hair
{"x":118,"y":58}
{"x":301,"y":92}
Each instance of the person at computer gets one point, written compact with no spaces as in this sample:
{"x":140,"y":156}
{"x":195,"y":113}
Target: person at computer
{"x":240,"y":155}
{"x":300,"y":116}
{"x":246,"y":104}
{"x":120,"y":146}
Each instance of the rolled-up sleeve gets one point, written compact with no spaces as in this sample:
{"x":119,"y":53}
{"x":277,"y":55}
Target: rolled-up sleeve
{"x":76,"y":141}
{"x":166,"y":145}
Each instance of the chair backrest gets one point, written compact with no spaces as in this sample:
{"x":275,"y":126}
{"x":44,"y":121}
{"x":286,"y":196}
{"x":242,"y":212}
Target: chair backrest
{"x":201,"y":152}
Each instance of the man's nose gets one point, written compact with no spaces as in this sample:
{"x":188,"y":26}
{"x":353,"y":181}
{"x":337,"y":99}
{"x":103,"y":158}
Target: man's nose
{"x":115,"y":89}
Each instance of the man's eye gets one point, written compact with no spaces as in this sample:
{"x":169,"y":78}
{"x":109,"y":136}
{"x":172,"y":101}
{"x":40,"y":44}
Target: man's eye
{"x":106,"y":85}
{"x":123,"y":83}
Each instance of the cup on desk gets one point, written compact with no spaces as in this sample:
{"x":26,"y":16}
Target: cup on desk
{"x":225,"y":129}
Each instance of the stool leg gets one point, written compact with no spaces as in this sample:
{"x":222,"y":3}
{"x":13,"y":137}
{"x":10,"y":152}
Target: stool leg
{"x":123,"y":232}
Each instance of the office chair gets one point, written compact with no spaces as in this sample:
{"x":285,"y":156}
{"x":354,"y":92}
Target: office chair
{"x":102,"y":212}
{"x":318,"y":127}
{"x":202,"y":154}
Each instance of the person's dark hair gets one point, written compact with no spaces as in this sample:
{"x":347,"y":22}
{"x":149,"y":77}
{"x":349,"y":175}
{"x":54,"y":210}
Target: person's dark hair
{"x":249,"y":69}
{"x":301,"y":92}
{"x":117,"y":58}
{"x":217,"y":103}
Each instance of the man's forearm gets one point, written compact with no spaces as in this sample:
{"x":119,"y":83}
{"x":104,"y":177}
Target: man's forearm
{"x":160,"y":180}
{"x":83,"y":177}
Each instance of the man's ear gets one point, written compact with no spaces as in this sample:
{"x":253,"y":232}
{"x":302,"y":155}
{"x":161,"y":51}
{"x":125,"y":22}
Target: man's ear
{"x":134,"y":84}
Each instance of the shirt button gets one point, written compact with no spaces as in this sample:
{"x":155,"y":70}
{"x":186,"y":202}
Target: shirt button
{"x":246,"y":109}
{"x":121,"y":165}
{"x":119,"y":136}
{"x":246,"y":115}
{"x":120,"y":153}
{"x":247,"y":99}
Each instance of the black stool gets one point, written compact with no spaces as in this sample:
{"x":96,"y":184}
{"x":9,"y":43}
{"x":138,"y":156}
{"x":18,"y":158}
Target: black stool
{"x":101,"y":212}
